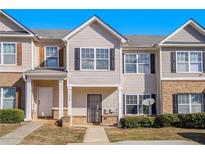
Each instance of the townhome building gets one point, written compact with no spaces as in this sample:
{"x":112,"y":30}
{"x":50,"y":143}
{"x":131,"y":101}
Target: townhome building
{"x":94,"y":74}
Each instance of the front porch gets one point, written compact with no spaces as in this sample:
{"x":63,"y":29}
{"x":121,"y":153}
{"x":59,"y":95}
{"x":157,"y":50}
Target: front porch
{"x":45,"y":94}
{"x":49,"y":95}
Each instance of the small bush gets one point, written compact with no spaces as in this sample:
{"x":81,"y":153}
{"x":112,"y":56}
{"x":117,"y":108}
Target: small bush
{"x":194,"y":120}
{"x":138,"y":121}
{"x":10,"y":116}
{"x":166,"y":120}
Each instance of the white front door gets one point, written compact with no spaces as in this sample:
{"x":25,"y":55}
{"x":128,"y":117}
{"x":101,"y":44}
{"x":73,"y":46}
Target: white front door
{"x":45,"y":101}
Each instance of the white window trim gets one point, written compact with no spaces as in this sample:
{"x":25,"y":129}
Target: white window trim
{"x":97,"y":70}
{"x":137,"y":72}
{"x":190,"y":104}
{"x":2,"y":55}
{"x":134,"y":104}
{"x":45,"y":57}
{"x":1,"y":97}
{"x":189,"y":62}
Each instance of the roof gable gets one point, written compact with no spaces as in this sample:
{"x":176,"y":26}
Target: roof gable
{"x":189,"y":33}
{"x":9,"y":26}
{"x":102,"y":23}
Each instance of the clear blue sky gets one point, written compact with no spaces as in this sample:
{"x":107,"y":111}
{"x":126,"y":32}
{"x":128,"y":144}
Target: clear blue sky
{"x":160,"y":22}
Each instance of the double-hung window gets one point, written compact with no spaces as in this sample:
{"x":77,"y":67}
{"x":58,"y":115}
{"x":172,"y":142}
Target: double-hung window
{"x":190,"y":103}
{"x":133,"y":104}
{"x":52,"y":56}
{"x":137,"y":63}
{"x":95,"y":59}
{"x":7,"y":53}
{"x":189,"y":61}
{"x":7,"y":98}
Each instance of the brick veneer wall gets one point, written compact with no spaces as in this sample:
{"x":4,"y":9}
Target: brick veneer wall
{"x":173,"y":87}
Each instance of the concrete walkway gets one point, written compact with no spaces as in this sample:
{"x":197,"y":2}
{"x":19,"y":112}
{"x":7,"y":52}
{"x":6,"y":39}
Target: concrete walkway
{"x":157,"y":142}
{"x":95,"y":135}
{"x":17,"y":135}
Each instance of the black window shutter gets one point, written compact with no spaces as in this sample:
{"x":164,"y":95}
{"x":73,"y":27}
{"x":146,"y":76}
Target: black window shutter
{"x":173,"y":62}
{"x":152,"y":62}
{"x":112,"y":59}
{"x":123,"y":64}
{"x":77,"y":58}
{"x":154,"y":110}
{"x":203,"y":61}
{"x":123,"y":104}
{"x":175,"y":103}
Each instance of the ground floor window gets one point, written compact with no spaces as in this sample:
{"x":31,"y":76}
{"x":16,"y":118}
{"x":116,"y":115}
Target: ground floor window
{"x":7,"y":97}
{"x":133,"y":104}
{"x":190,"y":103}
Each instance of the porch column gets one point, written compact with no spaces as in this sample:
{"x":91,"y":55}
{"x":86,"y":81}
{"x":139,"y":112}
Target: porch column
{"x":60,"y":98}
{"x":120,"y":105}
{"x":28,"y":93}
{"x":70,"y":104}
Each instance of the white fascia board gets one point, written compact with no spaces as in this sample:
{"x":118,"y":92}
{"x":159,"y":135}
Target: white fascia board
{"x":20,"y":25}
{"x":187,"y":23}
{"x":90,"y":21}
{"x":183,"y":79}
{"x":182,"y":45}
{"x":3,"y":35}
{"x":96,"y":85}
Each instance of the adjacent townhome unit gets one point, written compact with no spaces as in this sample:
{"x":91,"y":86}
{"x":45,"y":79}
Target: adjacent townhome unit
{"x":94,"y":74}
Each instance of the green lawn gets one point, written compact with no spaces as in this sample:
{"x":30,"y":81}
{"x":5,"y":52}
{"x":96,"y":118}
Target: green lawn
{"x":169,"y":133}
{"x":7,"y":128}
{"x":50,"y":134}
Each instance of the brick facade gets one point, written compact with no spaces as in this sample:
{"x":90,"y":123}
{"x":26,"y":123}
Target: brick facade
{"x":173,"y":87}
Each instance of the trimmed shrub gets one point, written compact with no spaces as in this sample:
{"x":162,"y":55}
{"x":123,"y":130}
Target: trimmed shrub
{"x":166,"y":120}
{"x":194,"y":120}
{"x":10,"y":116}
{"x":138,"y":121}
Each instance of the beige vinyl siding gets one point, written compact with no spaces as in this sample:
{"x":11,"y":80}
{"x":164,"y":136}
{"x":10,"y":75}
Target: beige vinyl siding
{"x":79,"y":99}
{"x":187,"y":35}
{"x":166,"y":62}
{"x":26,"y":55}
{"x":59,"y":44}
{"x":140,"y":83}
{"x":94,"y":36}
{"x":7,"y":25}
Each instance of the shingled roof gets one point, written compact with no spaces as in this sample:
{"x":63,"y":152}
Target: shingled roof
{"x":50,"y":34}
{"x":143,"y":40}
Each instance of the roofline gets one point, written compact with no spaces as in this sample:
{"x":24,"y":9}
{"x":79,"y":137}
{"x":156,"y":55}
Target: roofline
{"x":90,"y":20}
{"x":17,"y":22}
{"x":184,"y":25}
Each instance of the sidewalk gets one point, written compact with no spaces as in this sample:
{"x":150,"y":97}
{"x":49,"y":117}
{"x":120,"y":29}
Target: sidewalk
{"x":18,"y":134}
{"x":96,"y":135}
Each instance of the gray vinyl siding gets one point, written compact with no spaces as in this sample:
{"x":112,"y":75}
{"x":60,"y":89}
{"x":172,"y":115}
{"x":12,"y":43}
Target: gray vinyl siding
{"x":166,"y":62}
{"x":140,"y":83}
{"x":187,"y":35}
{"x":94,"y":36}
{"x":7,"y":25}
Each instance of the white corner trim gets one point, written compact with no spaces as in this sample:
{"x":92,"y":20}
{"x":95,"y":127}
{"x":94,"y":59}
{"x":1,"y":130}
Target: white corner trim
{"x":91,"y":20}
{"x":32,"y":55}
{"x":184,"y":25}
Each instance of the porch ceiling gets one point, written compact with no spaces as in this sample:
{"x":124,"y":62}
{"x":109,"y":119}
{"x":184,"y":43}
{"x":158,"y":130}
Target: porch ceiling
{"x":46,"y":73}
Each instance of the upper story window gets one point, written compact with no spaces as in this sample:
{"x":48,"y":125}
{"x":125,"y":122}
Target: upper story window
{"x":7,"y":97}
{"x":190,"y":103}
{"x":189,"y":62}
{"x":137,"y":63}
{"x":52,"y":56}
{"x":95,"y":59}
{"x":7,"y":53}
